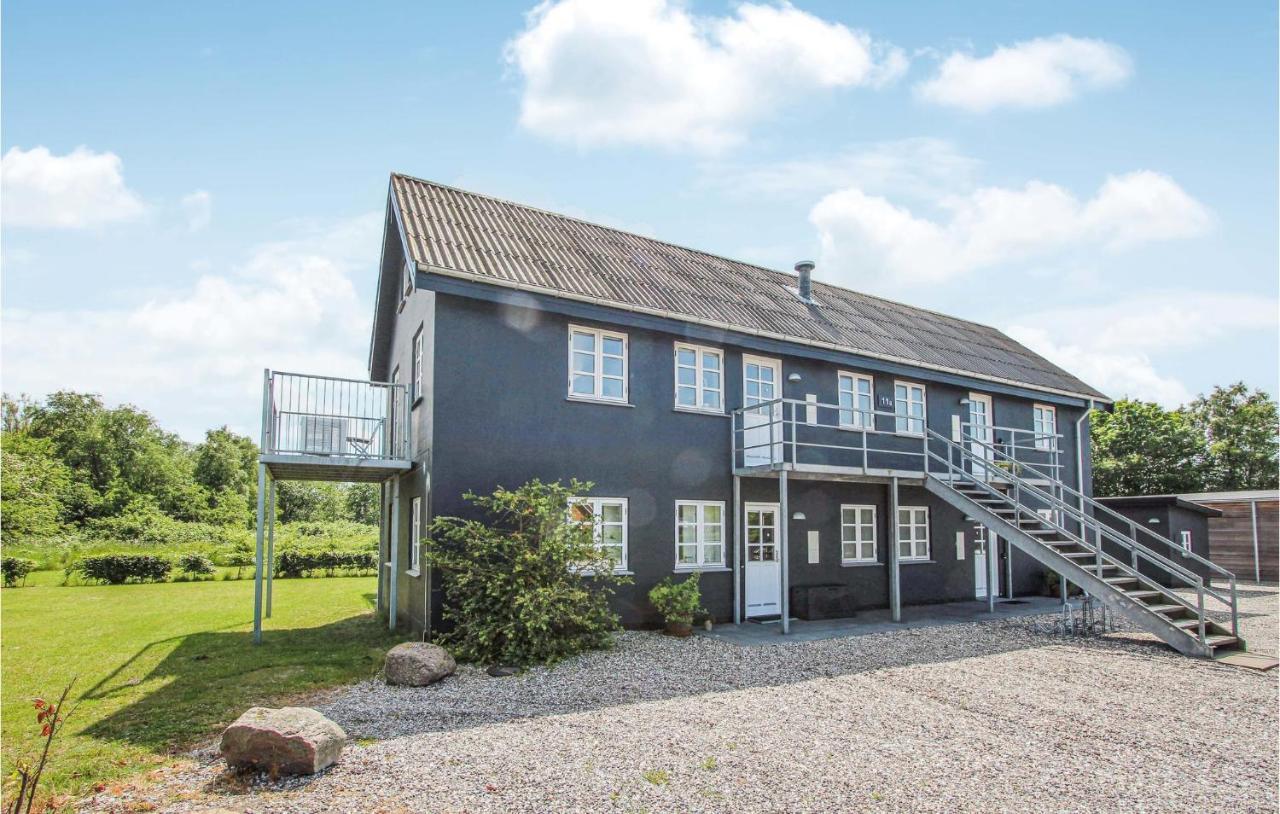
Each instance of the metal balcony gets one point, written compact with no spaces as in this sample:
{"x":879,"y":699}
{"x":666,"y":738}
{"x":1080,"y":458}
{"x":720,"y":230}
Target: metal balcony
{"x":332,"y":429}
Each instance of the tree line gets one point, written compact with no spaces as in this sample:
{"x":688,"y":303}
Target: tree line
{"x":70,"y":461}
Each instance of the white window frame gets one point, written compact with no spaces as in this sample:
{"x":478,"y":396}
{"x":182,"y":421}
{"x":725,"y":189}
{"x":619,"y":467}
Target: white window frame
{"x":858,"y":419}
{"x":415,"y":536}
{"x":903,"y":421}
{"x":700,"y":542}
{"x":598,"y":375}
{"x":1184,"y":539}
{"x":700,"y":353}
{"x":857,"y":540}
{"x":597,"y":525}
{"x":911,"y":539}
{"x":417,"y":366}
{"x":1044,"y":425}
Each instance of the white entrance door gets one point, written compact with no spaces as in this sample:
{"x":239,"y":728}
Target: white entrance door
{"x":764,"y":574}
{"x":761,"y":378}
{"x":980,"y":429}
{"x":980,"y":563}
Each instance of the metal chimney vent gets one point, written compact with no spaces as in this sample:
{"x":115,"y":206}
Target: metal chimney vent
{"x":805,"y":288}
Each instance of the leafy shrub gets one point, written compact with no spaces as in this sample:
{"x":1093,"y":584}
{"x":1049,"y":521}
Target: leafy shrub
{"x":678,"y":602}
{"x":304,"y":562}
{"x":195,"y":564}
{"x":529,"y":586}
{"x":15,"y":570}
{"x":115,"y":569}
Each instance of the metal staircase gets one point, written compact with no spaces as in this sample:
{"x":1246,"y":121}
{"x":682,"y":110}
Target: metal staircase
{"x":1065,"y":531}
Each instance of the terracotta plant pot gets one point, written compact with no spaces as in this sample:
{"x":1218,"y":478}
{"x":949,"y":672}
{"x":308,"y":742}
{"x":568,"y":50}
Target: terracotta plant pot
{"x":681,"y":629}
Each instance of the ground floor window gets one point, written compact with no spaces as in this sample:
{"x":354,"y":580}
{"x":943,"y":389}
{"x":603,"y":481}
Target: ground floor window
{"x":913,"y":533}
{"x":858,"y":533}
{"x":608,"y":516}
{"x":699,"y":533}
{"x":1185,"y":539}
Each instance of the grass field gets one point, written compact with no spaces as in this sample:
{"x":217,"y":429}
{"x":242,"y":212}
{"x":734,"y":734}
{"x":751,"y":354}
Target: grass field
{"x":163,"y":665}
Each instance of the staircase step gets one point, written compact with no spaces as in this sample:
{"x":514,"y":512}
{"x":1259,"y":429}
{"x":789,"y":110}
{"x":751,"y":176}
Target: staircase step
{"x":1142,"y":594}
{"x":1186,"y":623}
{"x":1219,"y":641}
{"x":1114,"y":581}
{"x":1073,"y":555}
{"x":1040,"y":532}
{"x":1165,"y":610}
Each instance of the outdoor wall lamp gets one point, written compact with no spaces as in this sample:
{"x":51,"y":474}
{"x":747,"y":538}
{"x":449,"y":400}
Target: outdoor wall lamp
{"x":965,"y":401}
{"x":794,"y":377}
{"x":798,"y":516}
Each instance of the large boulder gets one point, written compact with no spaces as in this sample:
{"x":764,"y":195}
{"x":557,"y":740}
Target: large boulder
{"x":417,"y":664}
{"x":291,"y":740}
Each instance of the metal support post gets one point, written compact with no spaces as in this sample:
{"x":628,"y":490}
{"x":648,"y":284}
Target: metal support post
{"x":783,"y":523}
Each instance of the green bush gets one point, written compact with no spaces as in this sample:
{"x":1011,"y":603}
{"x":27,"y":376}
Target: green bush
{"x":678,"y":602}
{"x":194,"y":564}
{"x":115,"y":569}
{"x":15,"y":570}
{"x":304,"y":562}
{"x":529,"y":586}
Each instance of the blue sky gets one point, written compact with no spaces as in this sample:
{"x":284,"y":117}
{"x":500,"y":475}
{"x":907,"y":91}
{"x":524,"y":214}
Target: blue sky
{"x":194,"y":192}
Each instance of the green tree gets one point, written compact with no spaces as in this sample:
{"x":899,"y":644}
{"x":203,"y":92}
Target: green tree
{"x":305,"y":501}
{"x":226,"y":461}
{"x":33,"y":488}
{"x":361,"y":503}
{"x":1239,"y":427}
{"x":1142,"y":449}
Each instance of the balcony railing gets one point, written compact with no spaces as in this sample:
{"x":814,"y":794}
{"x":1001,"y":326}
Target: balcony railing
{"x":816,"y":436}
{"x":326,"y":416}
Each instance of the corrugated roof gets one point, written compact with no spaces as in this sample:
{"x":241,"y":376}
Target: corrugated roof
{"x":510,"y":244}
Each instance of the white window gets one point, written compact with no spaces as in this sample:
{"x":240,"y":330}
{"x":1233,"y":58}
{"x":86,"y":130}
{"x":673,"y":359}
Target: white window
{"x":1184,"y":537}
{"x":608,"y":516}
{"x":908,"y":406}
{"x":597,"y":364}
{"x":699,"y":378}
{"x":417,"y":366}
{"x":855,"y":401}
{"x":1044,"y":423}
{"x":699,"y":533}
{"x":415,"y":536}
{"x":857,"y":533}
{"x":913,"y":533}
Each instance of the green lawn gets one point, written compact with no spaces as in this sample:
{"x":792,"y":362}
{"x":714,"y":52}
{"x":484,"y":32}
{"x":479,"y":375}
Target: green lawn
{"x":160,"y":666}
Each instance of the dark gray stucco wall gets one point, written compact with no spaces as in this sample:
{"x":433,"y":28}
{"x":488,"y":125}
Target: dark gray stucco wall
{"x":1168,"y":520}
{"x":500,"y":416}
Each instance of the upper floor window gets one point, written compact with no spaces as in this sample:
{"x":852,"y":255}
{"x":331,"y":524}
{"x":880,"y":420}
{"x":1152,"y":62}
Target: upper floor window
{"x":913,"y":533}
{"x":855,"y":401}
{"x":699,"y":378}
{"x":417,"y":366}
{"x":415,"y":536}
{"x":597,"y":364}
{"x":699,"y":533}
{"x":1044,"y":424}
{"x":908,"y":406}
{"x":608,"y":517}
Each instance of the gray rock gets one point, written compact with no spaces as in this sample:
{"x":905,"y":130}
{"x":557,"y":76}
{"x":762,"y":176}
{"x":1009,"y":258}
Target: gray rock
{"x":417,"y":664}
{"x":291,"y":740}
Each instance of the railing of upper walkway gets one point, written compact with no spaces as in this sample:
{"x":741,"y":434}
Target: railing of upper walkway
{"x":327,"y":416}
{"x":806,"y":434}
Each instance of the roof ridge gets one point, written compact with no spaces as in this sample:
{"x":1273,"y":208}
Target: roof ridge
{"x":784,"y":274}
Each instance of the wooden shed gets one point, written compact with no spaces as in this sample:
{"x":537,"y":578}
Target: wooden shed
{"x":1246,"y":538}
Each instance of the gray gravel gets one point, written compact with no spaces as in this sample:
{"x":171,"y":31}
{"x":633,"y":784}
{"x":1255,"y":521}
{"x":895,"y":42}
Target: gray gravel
{"x":981,"y":717}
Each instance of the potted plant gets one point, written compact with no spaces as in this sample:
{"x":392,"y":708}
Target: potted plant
{"x":678,"y":602}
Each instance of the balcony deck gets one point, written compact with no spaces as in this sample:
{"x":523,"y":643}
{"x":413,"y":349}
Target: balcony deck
{"x":323,"y":428}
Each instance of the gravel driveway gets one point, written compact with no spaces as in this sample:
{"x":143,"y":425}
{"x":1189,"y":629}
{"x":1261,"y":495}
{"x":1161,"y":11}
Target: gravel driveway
{"x":981,"y":717}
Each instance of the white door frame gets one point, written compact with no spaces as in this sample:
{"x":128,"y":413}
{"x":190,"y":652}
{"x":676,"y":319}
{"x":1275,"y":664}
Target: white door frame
{"x":763,"y":592}
{"x":980,"y":545}
{"x":988,"y":436}
{"x":757,"y":425}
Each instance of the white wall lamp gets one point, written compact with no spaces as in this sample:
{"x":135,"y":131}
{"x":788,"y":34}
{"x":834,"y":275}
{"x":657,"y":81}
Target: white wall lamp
{"x":798,"y":516}
{"x":794,"y":377}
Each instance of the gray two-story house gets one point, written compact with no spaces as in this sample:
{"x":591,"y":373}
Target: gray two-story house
{"x":771,"y":432}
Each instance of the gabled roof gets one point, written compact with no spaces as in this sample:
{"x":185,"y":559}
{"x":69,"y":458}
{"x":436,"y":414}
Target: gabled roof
{"x":453,"y":232}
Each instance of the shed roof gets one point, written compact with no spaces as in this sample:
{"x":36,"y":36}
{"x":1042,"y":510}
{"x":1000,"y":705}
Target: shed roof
{"x":464,"y":234}
{"x":1178,"y":501}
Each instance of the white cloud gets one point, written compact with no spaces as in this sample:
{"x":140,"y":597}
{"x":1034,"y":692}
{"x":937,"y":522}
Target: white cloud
{"x":198,"y":208}
{"x":1116,"y":346}
{"x":650,"y":72}
{"x":874,"y":241}
{"x":1034,"y":74}
{"x":82,"y":188}
{"x":914,"y":167}
{"x":195,"y":358}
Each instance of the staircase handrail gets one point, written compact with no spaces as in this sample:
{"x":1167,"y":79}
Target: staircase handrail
{"x":1212,"y":566}
{"x":1135,"y":549}
{"x":1195,"y":580}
